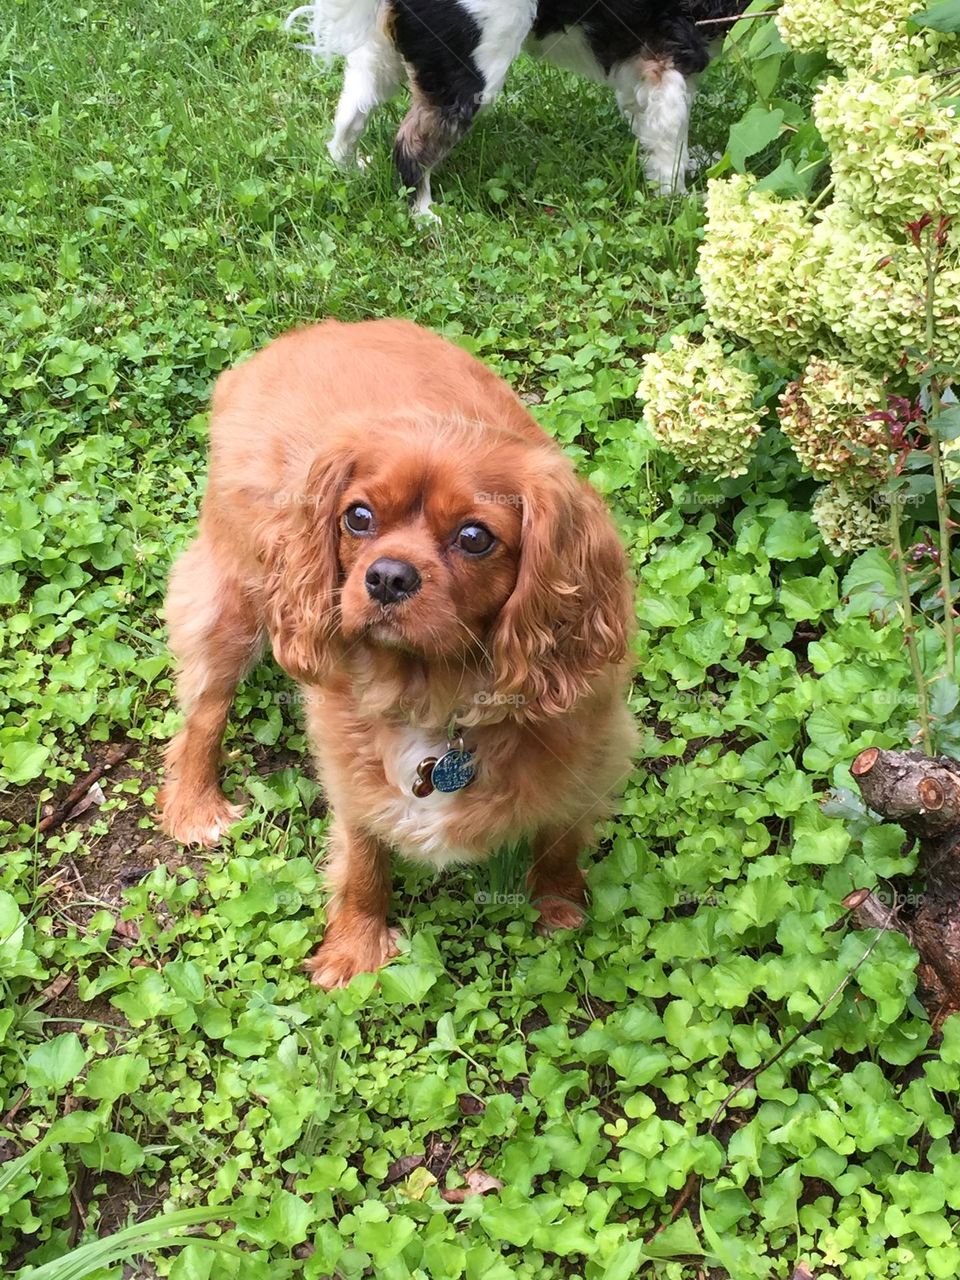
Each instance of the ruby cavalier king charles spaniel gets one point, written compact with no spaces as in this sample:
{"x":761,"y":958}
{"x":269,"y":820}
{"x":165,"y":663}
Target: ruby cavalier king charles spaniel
{"x":451,"y":598}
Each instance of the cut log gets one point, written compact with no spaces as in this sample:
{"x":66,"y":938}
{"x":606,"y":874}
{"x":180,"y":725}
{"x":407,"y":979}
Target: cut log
{"x":921,"y":794}
{"x":907,"y":787}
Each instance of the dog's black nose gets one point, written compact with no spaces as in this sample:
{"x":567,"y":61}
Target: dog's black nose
{"x":391,"y":581}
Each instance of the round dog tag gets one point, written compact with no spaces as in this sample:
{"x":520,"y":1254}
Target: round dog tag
{"x":453,"y":771}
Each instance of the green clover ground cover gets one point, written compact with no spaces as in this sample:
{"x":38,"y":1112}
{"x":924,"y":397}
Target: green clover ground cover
{"x":166,"y":207}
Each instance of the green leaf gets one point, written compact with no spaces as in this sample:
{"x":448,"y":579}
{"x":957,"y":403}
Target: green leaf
{"x":756,"y":130}
{"x":807,"y":599}
{"x":510,"y":1217}
{"x":406,"y":983}
{"x":289,"y":1219}
{"x":23,"y":761}
{"x":792,"y":536}
{"x":944,"y":16}
{"x":944,"y":696}
{"x":870,"y":586}
{"x":765,"y":72}
{"x":678,"y":1240}
{"x":16,"y":957}
{"x":113,"y":1153}
{"x":76,"y":1127}
{"x":56,"y":1063}
{"x":946,"y":424}
{"x":113,"y":1078}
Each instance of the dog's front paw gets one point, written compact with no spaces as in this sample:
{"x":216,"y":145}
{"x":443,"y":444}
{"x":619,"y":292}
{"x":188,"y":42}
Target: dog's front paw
{"x":343,"y":955}
{"x":346,"y":158}
{"x":559,"y":913}
{"x":198,"y":818}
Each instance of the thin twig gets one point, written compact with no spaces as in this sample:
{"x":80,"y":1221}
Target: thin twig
{"x":11,"y":1114}
{"x":909,"y":624}
{"x":115,"y":754}
{"x":932,"y":255}
{"x":815,"y":204}
{"x":737,"y":17}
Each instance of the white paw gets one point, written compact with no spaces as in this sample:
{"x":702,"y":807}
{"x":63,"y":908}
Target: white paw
{"x":425,"y":217}
{"x":672,"y":185}
{"x":345,"y":159}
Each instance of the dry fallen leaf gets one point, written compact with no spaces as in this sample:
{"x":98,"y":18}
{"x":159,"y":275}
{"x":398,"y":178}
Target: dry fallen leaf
{"x":129,"y":930}
{"x":478,"y":1183}
{"x":55,"y":988}
{"x":470,"y":1106}
{"x":93,"y":796}
{"x":401,"y":1168}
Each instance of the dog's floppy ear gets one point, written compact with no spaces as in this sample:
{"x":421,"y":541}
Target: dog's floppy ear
{"x":298,"y":544}
{"x":569,"y":614}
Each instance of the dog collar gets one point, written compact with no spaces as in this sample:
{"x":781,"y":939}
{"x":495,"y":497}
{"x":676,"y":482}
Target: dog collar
{"x":452,"y":771}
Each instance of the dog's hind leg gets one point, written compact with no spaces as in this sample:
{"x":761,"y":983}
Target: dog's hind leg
{"x":216,"y":636}
{"x":372,"y":76}
{"x":427,"y":134}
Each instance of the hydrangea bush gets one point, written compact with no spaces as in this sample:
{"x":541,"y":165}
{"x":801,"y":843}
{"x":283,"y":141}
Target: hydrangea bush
{"x":833,"y":272}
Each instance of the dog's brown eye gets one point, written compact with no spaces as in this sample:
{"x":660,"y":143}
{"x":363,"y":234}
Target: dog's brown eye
{"x":358,"y":518}
{"x":474,"y":539}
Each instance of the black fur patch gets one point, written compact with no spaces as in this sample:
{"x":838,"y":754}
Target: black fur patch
{"x":437,"y":38}
{"x":619,"y":29}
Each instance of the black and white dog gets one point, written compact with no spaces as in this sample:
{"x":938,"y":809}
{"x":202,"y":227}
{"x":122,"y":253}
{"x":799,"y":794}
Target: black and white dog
{"x":456,"y":55}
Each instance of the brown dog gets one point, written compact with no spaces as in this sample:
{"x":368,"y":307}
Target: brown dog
{"x":454,"y":601}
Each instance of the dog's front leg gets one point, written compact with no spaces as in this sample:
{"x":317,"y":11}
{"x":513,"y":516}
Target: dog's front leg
{"x":555,"y":881}
{"x":358,"y":939}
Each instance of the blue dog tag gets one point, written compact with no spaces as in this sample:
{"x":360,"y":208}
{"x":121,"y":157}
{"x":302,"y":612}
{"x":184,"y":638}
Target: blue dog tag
{"x":453,"y":771}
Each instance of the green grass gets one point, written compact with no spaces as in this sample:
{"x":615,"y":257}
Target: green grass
{"x":167,"y":205}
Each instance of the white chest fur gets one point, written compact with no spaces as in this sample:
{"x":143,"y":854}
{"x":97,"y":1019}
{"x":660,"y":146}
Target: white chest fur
{"x":416,"y":826}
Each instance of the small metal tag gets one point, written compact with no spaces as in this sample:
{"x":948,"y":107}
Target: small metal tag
{"x":423,"y":786}
{"x":454,"y":771}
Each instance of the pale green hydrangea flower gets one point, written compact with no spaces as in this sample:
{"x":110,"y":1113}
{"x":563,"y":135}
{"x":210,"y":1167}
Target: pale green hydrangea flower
{"x":846,"y":522}
{"x":825,"y":416}
{"x":860,"y":33}
{"x":758,"y":269}
{"x":700,"y":407}
{"x":872,"y":289}
{"x":894,"y":146}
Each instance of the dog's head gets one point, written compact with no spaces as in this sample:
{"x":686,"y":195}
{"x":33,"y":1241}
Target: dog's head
{"x":454,"y":542}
